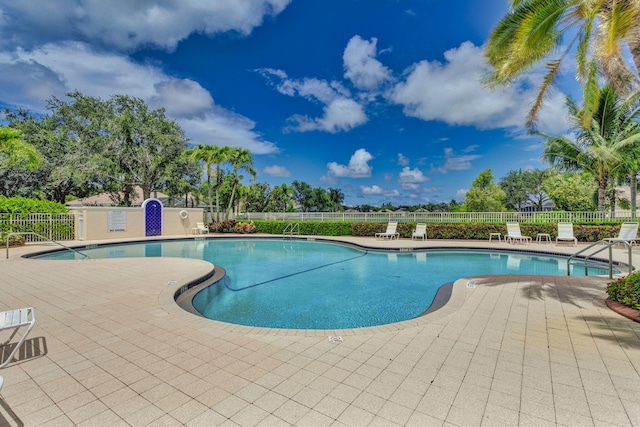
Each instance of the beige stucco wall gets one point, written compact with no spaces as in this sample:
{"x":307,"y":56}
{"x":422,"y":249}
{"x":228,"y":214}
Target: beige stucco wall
{"x":92,"y":222}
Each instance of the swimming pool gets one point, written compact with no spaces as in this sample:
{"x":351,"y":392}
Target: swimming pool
{"x":300,"y":284}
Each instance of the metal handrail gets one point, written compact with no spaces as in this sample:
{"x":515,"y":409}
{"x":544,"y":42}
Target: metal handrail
{"x":16,"y":233}
{"x":608,"y":244}
{"x":291,"y":229}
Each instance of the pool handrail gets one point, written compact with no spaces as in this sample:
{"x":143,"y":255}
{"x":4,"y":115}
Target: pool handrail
{"x":17,"y":233}
{"x":608,"y":244}
{"x":291,"y":229}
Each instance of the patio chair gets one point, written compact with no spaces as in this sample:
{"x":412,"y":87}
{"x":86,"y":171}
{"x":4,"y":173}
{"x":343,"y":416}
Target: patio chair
{"x":390,"y":233}
{"x":628,"y":233}
{"x":420,"y":231}
{"x":565,"y":232}
{"x":202,"y":229}
{"x":15,"y":319}
{"x":513,"y":234}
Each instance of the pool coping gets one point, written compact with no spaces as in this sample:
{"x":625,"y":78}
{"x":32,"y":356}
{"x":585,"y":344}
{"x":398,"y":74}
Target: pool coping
{"x":449,"y":296}
{"x":172,"y":298}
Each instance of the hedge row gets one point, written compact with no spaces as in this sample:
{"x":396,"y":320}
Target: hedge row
{"x":313,"y":228}
{"x":21,"y":205}
{"x":16,"y":209}
{"x":471,"y":231}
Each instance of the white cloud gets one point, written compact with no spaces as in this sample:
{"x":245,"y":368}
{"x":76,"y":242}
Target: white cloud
{"x":181,"y":98}
{"x":127,"y":25}
{"x":339,"y":115}
{"x":277,"y":171}
{"x":411,"y":179}
{"x":358,"y":166}
{"x":461,"y":193}
{"x":28,"y":78}
{"x":453,"y":92}
{"x":403,"y":160}
{"x":361,"y":67}
{"x":340,"y":112}
{"x":376,"y":190}
{"x":456,"y":162}
{"x":222,"y":127}
{"x":371,"y":190}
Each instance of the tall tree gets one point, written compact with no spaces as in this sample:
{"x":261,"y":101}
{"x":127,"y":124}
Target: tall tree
{"x":69,"y":137}
{"x":303,"y":194}
{"x":142,"y":144}
{"x":321,"y":200}
{"x":240,"y":159}
{"x":514,"y":186}
{"x":210,"y":156}
{"x":337,"y":197}
{"x":598,"y":148}
{"x":533,"y":31}
{"x":525,"y":186}
{"x":184,"y":181}
{"x":484,"y":195}
{"x":258,"y":196}
{"x":17,"y":154}
{"x":571,"y":191}
{"x":281,"y":199}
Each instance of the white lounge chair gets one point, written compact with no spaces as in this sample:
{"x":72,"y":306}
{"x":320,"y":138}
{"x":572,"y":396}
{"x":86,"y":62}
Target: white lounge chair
{"x":15,"y":319}
{"x":628,"y":233}
{"x":202,"y":229}
{"x":565,"y":232}
{"x":513,"y":234}
{"x":420,"y":231}
{"x":390,"y":233}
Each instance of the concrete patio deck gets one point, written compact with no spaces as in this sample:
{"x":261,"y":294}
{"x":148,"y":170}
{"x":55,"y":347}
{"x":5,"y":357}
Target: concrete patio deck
{"x":110,"y":347}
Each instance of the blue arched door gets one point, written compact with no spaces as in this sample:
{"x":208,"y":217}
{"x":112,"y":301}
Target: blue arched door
{"x":152,"y":217}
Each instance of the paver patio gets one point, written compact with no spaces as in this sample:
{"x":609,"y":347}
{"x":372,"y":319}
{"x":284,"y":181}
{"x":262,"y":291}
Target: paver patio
{"x":110,"y":347}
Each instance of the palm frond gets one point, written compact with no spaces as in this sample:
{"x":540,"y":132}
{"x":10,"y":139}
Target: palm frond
{"x":524,"y":37}
{"x":553,"y":68}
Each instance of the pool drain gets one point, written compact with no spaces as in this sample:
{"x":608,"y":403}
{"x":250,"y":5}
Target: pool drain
{"x":335,"y":340}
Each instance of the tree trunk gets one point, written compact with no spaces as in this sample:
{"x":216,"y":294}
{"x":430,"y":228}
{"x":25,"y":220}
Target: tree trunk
{"x":233,"y":192}
{"x":602,"y":197}
{"x":218,"y":184}
{"x":633,"y":186}
{"x":209,"y":195}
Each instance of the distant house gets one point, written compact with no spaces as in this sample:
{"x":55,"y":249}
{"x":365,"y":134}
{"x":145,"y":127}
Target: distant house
{"x":108,"y":199}
{"x":528,"y":206}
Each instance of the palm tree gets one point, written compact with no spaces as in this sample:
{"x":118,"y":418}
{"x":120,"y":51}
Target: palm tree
{"x":533,"y":30}
{"x":211,"y":155}
{"x":629,"y":173}
{"x":17,"y":152}
{"x":337,"y":197}
{"x":598,"y":148}
{"x":240,"y":159}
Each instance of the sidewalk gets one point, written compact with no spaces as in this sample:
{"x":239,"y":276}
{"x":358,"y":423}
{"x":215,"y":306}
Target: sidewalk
{"x":110,"y":347}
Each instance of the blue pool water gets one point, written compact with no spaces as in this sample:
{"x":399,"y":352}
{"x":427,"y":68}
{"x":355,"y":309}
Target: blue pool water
{"x":301,"y":284}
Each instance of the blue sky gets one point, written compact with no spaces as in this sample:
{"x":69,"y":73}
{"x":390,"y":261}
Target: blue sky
{"x":381,"y":98}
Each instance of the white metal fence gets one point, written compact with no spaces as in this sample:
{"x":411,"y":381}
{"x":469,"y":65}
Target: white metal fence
{"x":444,"y":217}
{"x":56,"y":226}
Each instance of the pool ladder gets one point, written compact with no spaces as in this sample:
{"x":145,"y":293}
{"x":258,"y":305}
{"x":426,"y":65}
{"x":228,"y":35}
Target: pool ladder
{"x":291,"y":229}
{"x":587,"y":260}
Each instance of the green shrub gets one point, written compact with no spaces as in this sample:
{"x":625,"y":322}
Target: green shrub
{"x":626,"y":290}
{"x":311,"y":228}
{"x":15,"y":240}
{"x":244,"y":228}
{"x":16,"y":215}
{"x":590,"y":232}
{"x":21,"y":205}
